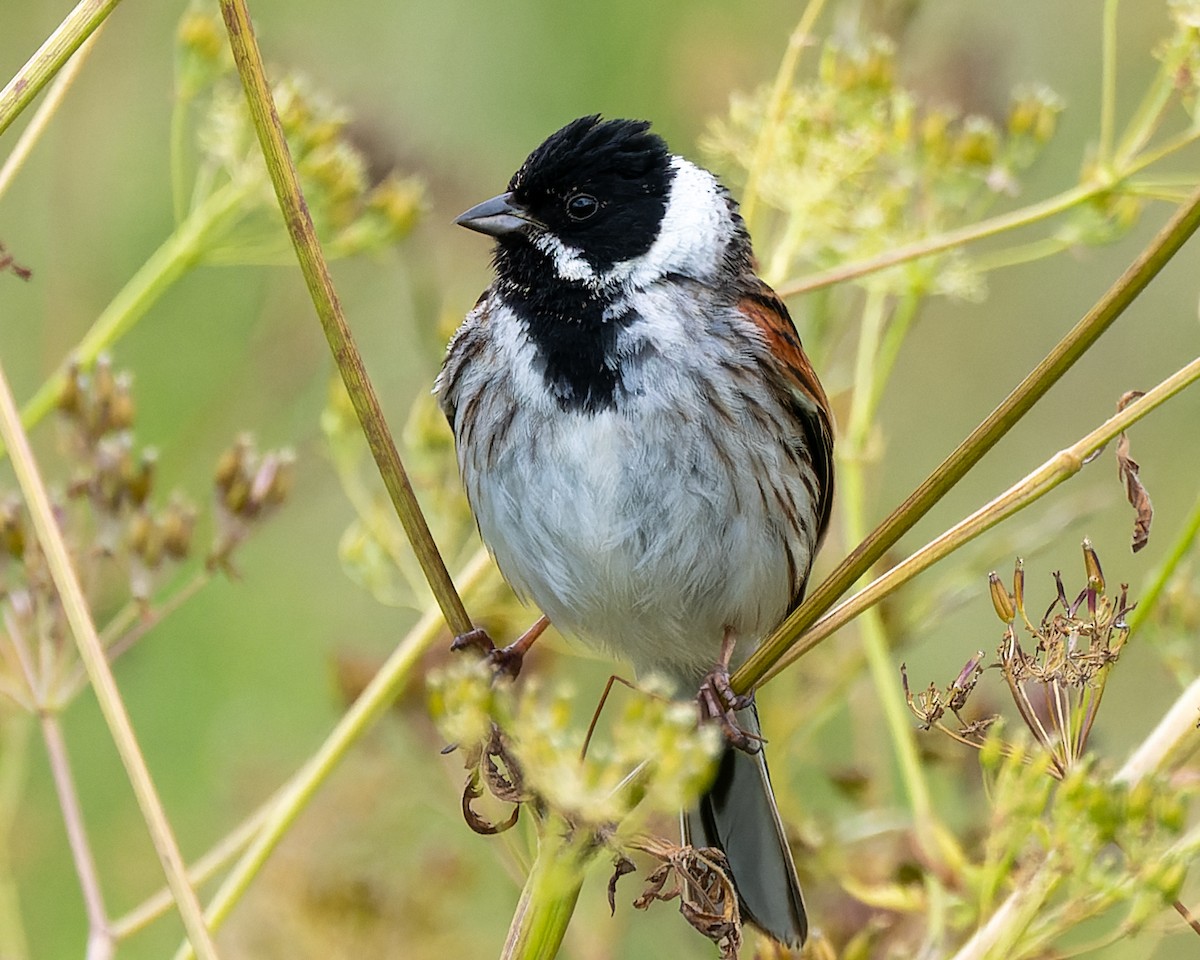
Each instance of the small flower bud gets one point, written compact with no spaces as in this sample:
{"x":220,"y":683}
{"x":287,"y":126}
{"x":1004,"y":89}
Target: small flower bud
{"x":141,"y":529}
{"x":70,"y":398}
{"x":285,"y":473}
{"x":122,"y":409}
{"x":978,"y":143}
{"x":1019,"y":588}
{"x":879,"y":65}
{"x":1002,"y":601}
{"x":178,"y":523}
{"x":201,"y":36}
{"x":1091,"y":564}
{"x":140,"y":480}
{"x":230,"y":465}
{"x":935,"y":134}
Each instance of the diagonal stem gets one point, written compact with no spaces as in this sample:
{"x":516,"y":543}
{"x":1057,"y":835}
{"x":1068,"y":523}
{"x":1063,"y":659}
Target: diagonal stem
{"x":1056,"y":470}
{"x":378,"y":696}
{"x":1115,"y":301}
{"x":320,"y":287}
{"x":79,"y":24}
{"x":44,"y":113}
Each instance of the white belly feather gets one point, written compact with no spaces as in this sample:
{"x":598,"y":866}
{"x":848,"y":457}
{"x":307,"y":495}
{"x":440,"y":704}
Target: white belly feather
{"x":625,"y":526}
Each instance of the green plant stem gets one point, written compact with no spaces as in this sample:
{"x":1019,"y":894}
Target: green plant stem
{"x":1002,"y":223}
{"x":50,"y":56}
{"x":799,"y":39}
{"x":1061,"y":358}
{"x":1108,"y":80}
{"x":101,"y":944}
{"x":204,"y":869}
{"x":1149,"y":113}
{"x":44,"y":113}
{"x":320,"y":287}
{"x":371,"y":704}
{"x":79,"y":618}
{"x":1059,"y":468}
{"x":547,"y":900}
{"x":14,"y":752}
{"x":868,"y":380}
{"x":178,"y":254}
{"x":1011,"y":918}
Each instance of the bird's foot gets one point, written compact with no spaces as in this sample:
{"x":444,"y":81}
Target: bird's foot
{"x":719,"y":703}
{"x":504,"y":661}
{"x":477,"y":639}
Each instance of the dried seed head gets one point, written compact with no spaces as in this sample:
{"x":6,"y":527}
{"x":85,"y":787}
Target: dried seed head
{"x":71,"y":396}
{"x":139,"y":480}
{"x":230,"y":464}
{"x":1091,"y":564}
{"x":121,"y":412}
{"x":1002,"y":601}
{"x":178,"y":523}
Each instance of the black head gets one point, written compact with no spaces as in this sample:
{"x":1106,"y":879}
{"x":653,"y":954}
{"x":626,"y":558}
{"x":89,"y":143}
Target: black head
{"x":598,"y":186}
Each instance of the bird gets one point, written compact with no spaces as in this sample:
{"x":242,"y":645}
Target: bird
{"x":645,"y":446}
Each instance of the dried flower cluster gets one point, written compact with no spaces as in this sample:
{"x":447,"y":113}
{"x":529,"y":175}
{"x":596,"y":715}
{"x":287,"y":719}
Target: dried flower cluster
{"x":123,"y":543}
{"x":1058,"y":686}
{"x":248,"y":488}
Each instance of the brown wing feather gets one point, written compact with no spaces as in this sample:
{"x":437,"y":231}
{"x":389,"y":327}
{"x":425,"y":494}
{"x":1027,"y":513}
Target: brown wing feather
{"x":763,"y":307}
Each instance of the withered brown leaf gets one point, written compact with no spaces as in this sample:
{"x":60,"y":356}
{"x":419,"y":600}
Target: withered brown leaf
{"x":700,"y":879}
{"x":621,"y":866}
{"x":1135,"y":490}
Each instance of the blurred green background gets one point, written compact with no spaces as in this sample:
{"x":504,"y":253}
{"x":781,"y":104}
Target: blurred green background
{"x":231,"y":693}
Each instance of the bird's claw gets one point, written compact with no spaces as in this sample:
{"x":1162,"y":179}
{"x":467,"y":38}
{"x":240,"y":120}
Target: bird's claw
{"x":476,"y":639}
{"x":718,"y":702}
{"x":504,"y":661}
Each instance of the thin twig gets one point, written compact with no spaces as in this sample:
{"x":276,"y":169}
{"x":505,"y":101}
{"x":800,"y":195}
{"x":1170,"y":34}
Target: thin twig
{"x":107,"y":695}
{"x":371,"y":704}
{"x":101,"y":944}
{"x":928,"y":246}
{"x":120,"y":643}
{"x":800,"y":38}
{"x":1133,"y":281}
{"x":320,"y":287}
{"x":203,"y":870}
{"x":178,"y":253}
{"x":79,"y":24}
{"x":45,"y":112}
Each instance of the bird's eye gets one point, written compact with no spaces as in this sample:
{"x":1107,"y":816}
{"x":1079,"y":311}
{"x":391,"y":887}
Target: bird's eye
{"x":581,"y":206}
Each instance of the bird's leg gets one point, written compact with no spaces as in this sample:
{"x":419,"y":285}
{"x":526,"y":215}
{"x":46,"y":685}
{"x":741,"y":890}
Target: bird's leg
{"x":506,"y":661}
{"x":718,"y":701}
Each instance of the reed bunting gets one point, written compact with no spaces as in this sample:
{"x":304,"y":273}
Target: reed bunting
{"x":645,"y":445}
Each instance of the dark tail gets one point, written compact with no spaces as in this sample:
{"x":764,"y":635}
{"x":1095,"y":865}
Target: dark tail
{"x":738,"y":815}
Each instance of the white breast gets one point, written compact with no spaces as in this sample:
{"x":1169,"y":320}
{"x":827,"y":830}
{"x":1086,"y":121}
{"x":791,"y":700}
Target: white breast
{"x":627,"y":527}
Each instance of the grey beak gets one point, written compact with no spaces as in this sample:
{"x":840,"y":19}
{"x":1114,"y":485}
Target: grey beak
{"x":496,"y":217}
